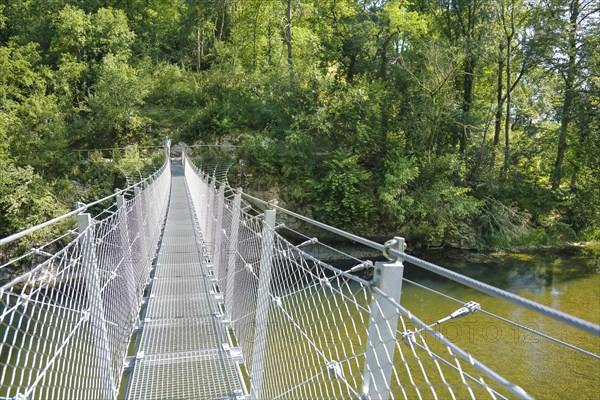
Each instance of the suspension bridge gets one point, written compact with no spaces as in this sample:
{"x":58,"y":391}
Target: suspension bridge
{"x":185,"y":288}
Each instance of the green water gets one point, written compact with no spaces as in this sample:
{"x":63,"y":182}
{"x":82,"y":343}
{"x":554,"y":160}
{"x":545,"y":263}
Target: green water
{"x":568,"y":281}
{"x":335,"y":324}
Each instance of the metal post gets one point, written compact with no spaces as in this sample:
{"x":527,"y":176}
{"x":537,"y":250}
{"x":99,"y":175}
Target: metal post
{"x":262,"y":306}
{"x":232,"y":254}
{"x":96,"y":315}
{"x":205,"y":200}
{"x":211,"y":214}
{"x":201,"y":198}
{"x":209,"y":198}
{"x":218,"y":227}
{"x":218,"y":236}
{"x":383,"y":323}
{"x":128,"y":273}
{"x":141,"y":225}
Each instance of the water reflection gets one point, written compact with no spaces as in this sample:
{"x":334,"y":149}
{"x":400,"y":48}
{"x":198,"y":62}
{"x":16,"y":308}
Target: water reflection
{"x":568,"y":281}
{"x":533,"y":272}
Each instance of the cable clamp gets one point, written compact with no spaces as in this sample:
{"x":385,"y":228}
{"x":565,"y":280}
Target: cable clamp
{"x":363,"y":265}
{"x":396,"y":243}
{"x":40,"y":252}
{"x":308,"y":242}
{"x":408,"y":337}
{"x":468,"y":308}
{"x":334,"y":369}
{"x":325,"y":282}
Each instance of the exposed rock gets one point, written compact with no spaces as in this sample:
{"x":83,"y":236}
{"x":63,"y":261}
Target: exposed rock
{"x":176,"y":150}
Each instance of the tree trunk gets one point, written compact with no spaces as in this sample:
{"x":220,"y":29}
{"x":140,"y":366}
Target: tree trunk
{"x":508,"y":107}
{"x":468,"y":78}
{"x":499,"y":97}
{"x":255,"y":38}
{"x":509,"y":30}
{"x":199,"y":47}
{"x":288,"y":38}
{"x":567,"y":109}
{"x":269,"y":45}
{"x":223,"y":17}
{"x":384,"y":57}
{"x":351,"y":66}
{"x":565,"y":121}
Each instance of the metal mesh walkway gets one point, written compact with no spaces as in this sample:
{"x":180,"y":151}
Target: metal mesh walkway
{"x":181,"y":353}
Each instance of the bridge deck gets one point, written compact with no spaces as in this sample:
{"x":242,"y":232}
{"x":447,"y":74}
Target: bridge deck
{"x":180,"y":355}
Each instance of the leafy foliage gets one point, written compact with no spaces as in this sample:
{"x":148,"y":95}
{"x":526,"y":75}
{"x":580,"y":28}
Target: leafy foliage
{"x":24,"y":202}
{"x":447,"y":122}
{"x":343,"y":195}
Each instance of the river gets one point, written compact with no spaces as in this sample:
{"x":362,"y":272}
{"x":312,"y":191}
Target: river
{"x":568,"y":280}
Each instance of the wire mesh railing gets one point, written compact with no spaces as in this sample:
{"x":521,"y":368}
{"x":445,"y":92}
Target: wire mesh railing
{"x":299,"y":327}
{"x":66,"y":323}
{"x":306,"y":329}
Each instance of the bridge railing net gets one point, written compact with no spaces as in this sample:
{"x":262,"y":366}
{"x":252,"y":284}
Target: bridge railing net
{"x":65,"y":325}
{"x":306,"y":333}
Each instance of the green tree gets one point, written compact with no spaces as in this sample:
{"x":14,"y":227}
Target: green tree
{"x":571,"y":53}
{"x":25,"y":199}
{"x":113,"y":104}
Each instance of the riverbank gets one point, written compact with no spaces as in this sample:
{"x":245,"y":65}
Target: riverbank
{"x":343,"y":253}
{"x":524,"y":253}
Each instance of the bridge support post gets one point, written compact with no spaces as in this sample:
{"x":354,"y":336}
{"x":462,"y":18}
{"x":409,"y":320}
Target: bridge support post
{"x":263,"y":302}
{"x":383,"y":324}
{"x":128,"y":274}
{"x":199,"y":179}
{"x":218,"y":235}
{"x":96,"y":312}
{"x":141,"y":231}
{"x":209,"y":206}
{"x":232,"y":254}
{"x":204,"y":202}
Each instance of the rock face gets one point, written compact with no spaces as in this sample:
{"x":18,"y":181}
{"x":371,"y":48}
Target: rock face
{"x":176,"y":150}
{"x":345,"y":253}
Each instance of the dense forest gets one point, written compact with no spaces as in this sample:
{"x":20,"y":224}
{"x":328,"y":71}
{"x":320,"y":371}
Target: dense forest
{"x":471,"y":123}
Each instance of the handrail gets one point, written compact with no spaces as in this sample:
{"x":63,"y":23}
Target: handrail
{"x":213,"y":145}
{"x":557,"y":315}
{"x":553,"y":313}
{"x":337,"y":231}
{"x":81,"y":209}
{"x":560,"y":316}
{"x":117,"y":148}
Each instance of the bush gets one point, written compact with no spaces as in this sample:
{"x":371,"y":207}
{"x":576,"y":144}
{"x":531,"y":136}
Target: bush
{"x":343,"y":197}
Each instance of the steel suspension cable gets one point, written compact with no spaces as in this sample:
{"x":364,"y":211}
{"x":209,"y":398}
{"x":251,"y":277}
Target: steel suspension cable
{"x":508,"y":321}
{"x":557,"y":315}
{"x":79,"y":210}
